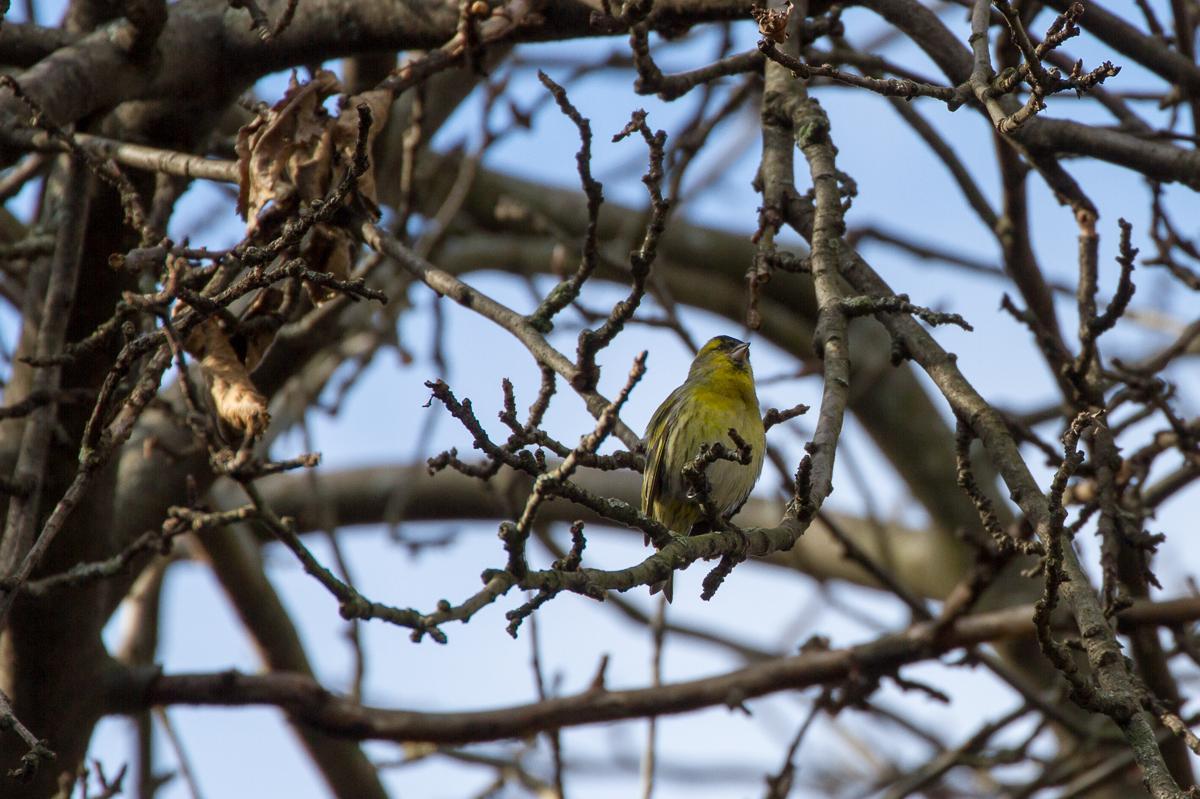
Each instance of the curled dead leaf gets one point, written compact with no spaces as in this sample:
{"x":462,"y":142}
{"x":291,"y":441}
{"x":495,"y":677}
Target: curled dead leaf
{"x":298,"y":152}
{"x":236,"y":400}
{"x":276,"y":149}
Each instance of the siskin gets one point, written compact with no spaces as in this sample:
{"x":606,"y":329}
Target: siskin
{"x":717,"y":395}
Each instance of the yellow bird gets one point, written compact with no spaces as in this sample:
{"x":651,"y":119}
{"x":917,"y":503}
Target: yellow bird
{"x":717,"y":395}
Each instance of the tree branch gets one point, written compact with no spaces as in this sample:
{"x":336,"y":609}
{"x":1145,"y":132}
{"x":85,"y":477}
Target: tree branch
{"x":129,"y":691}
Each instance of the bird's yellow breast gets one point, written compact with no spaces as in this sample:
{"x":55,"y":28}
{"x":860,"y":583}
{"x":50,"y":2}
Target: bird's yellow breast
{"x":717,"y":396}
{"x":710,"y":410}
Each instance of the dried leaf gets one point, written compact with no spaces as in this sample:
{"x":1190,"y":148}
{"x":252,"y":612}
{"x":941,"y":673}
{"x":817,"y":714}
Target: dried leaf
{"x":772,"y":22}
{"x":298,"y":152}
{"x":274,"y":148}
{"x":346,"y":136}
{"x":238,"y":403}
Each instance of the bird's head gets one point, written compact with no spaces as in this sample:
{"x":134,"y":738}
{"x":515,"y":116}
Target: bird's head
{"x":722,"y":355}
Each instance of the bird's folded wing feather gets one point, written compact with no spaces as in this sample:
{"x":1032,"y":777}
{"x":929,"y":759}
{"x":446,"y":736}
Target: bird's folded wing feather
{"x":657,"y":444}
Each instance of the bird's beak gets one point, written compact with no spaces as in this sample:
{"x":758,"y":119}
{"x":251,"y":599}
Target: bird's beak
{"x":740,"y":353}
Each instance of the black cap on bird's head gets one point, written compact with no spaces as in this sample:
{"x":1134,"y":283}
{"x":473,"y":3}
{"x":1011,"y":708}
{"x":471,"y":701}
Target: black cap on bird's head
{"x":737,"y":351}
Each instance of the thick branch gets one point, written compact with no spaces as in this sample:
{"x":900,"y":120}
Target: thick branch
{"x":206,"y":52}
{"x":130,"y":691}
{"x":52,"y":317}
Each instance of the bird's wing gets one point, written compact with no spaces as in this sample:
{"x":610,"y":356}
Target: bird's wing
{"x":656,"y":448}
